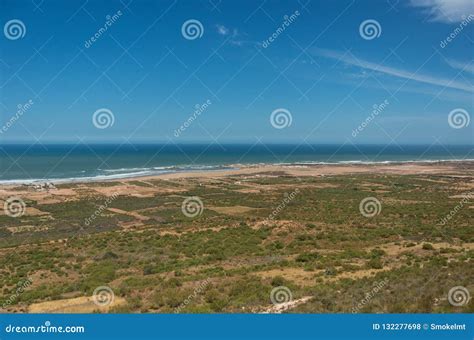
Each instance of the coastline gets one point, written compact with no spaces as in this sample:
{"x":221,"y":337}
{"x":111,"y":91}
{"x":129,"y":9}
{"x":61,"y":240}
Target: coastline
{"x":292,"y":169}
{"x":298,"y":169}
{"x":291,"y":203}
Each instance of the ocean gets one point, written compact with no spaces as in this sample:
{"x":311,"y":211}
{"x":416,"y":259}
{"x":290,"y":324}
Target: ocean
{"x":53,"y":162}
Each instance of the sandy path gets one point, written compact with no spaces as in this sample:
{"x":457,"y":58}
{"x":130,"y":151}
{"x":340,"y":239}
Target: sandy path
{"x":83,"y":304}
{"x":281,"y":307}
{"x":129,"y":213}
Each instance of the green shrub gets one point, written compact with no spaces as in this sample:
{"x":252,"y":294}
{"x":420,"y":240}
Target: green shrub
{"x":427,"y":246}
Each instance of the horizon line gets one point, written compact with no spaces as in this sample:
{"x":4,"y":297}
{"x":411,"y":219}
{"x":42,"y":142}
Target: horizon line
{"x":32,"y":143}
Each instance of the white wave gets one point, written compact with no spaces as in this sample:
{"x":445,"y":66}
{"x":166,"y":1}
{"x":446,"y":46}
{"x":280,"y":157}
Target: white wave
{"x":141,"y":172}
{"x":124,"y":169}
{"x":377,"y":162}
{"x":113,"y":174}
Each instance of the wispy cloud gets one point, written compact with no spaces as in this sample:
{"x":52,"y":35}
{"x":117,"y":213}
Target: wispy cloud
{"x":459,"y":65}
{"x":222,"y":30}
{"x":234,"y":36}
{"x":447,"y":11}
{"x":349,"y":59}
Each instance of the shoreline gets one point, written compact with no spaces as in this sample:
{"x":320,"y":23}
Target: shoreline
{"x":295,"y":169}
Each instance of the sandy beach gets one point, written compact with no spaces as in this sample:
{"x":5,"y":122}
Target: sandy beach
{"x":70,"y":191}
{"x":408,"y":168}
{"x":297,"y":169}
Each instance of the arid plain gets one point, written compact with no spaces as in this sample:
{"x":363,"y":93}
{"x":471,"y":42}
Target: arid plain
{"x":361,"y":238}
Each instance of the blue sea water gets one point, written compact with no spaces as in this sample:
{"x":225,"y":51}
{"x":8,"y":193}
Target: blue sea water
{"x":29,"y":163}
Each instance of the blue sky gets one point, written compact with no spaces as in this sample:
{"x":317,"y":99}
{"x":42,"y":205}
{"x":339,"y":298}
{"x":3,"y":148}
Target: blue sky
{"x":320,"y":69}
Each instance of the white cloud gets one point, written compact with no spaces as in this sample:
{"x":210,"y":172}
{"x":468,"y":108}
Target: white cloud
{"x":444,"y":94}
{"x":222,"y":30}
{"x":235,"y":38}
{"x":395,"y":72}
{"x":463,"y":66}
{"x":447,"y":11}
